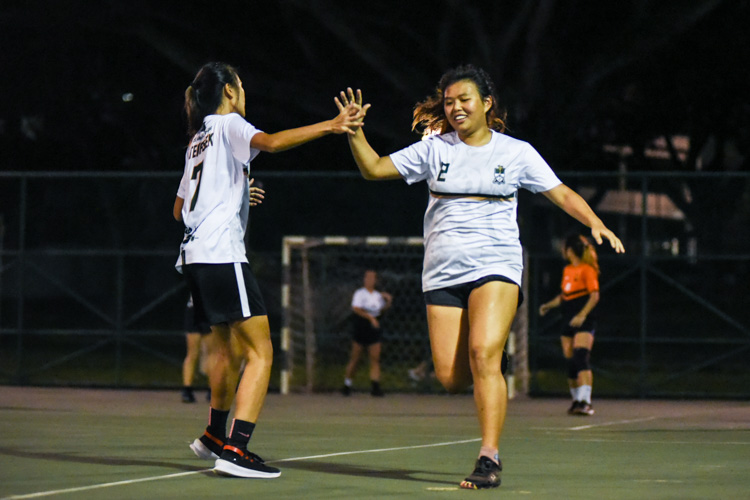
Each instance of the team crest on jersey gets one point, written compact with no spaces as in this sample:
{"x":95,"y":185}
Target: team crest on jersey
{"x":499,"y":175}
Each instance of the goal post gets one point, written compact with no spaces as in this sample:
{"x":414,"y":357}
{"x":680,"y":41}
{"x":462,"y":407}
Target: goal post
{"x":319,"y":277}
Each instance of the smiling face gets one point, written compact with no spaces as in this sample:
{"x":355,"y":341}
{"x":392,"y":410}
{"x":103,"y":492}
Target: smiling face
{"x":465,"y":109}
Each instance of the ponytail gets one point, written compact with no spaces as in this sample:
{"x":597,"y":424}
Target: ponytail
{"x":590,"y":256}
{"x":584,"y":250}
{"x":194,"y":117}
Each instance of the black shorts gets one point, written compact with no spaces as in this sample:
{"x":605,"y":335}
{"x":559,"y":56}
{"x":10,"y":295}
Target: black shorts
{"x":569,"y":308}
{"x":588,"y":326}
{"x":363,"y":332}
{"x":223,"y":293}
{"x":458,"y":295}
{"x":191,"y":325}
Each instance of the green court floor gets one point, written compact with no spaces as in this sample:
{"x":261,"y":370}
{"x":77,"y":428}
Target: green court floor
{"x":108,"y":444}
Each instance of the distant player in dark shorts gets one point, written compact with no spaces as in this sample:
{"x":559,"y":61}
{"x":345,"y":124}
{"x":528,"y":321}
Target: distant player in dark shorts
{"x":367,"y":306}
{"x":579,"y":296}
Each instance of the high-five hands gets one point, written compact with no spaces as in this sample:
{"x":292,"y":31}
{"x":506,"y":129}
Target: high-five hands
{"x":351,"y":114}
{"x":351,"y":104}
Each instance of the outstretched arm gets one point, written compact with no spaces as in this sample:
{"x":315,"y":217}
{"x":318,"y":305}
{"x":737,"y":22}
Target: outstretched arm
{"x":347,"y":121}
{"x":575,"y":206}
{"x":371,"y":164}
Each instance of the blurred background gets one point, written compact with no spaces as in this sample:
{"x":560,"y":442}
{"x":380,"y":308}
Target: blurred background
{"x":642,"y":106}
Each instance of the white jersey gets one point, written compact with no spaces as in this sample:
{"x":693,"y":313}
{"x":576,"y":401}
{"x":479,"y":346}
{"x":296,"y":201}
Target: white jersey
{"x":470,"y":226}
{"x":216,"y":193}
{"x":372,"y":302}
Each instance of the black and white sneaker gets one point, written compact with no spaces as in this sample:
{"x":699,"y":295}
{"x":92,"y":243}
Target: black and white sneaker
{"x":574,"y":407}
{"x":486,"y":475}
{"x":207,"y":447}
{"x":235,"y":462}
{"x":585,"y":409}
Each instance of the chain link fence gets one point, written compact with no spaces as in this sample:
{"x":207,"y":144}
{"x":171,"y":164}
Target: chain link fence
{"x":89,"y":295}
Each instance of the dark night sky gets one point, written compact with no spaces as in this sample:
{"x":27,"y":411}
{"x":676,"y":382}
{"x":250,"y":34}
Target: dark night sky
{"x":573,"y":75}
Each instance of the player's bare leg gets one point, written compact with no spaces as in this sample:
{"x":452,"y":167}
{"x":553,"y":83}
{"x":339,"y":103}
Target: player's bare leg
{"x":257,"y":348}
{"x":255,"y":344}
{"x":492,"y":308}
{"x":373,"y":352}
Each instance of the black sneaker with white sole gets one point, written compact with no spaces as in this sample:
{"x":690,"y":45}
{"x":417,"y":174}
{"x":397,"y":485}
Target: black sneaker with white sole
{"x":486,"y":475}
{"x":207,"y":447}
{"x":585,"y":409}
{"x":235,"y":462}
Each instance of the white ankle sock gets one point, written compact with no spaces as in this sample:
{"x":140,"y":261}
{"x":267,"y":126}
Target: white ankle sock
{"x":584,"y":393}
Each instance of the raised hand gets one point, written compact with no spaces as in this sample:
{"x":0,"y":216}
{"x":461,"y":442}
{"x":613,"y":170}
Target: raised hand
{"x":351,"y":105}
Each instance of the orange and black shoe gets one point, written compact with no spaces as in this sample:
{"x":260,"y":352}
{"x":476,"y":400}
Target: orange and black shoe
{"x":235,"y":462}
{"x":486,"y":475}
{"x":207,"y":447}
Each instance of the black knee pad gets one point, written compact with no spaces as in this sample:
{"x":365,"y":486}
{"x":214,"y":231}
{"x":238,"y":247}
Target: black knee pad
{"x":572,"y":370}
{"x":581,"y":358}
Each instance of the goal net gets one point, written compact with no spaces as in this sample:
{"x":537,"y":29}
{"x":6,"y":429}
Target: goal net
{"x":320,"y":275}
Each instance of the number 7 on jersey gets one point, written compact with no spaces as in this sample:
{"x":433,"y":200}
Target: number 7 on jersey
{"x":197,"y":171}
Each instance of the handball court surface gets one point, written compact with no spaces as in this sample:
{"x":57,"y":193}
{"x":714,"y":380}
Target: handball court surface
{"x":113,"y":444}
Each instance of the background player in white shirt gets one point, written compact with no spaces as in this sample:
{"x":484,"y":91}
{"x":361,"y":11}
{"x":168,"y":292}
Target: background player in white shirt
{"x":473,"y":261}
{"x":212,"y":201}
{"x":367,"y":306}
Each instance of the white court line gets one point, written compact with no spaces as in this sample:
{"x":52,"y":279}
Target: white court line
{"x":606,"y":424}
{"x":591,"y":426}
{"x":179,"y":474}
{"x":380,"y":450}
{"x":102,"y":485}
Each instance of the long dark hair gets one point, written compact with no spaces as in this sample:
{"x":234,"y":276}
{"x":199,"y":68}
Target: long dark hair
{"x":203,"y":96}
{"x":429,"y":115}
{"x":583,"y":249}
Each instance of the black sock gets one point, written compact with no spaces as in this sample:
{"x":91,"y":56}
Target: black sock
{"x":241,"y":432}
{"x":217,"y":423}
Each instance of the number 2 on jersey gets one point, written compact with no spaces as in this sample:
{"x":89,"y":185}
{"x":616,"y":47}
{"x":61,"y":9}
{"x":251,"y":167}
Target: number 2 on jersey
{"x":197,"y":171}
{"x":443,"y":171}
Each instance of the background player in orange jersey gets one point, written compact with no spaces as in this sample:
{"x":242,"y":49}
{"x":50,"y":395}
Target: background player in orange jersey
{"x":579,"y":296}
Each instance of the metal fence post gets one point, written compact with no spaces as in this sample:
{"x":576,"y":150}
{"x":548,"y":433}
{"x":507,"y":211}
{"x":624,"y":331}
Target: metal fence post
{"x":19,"y":378}
{"x":643,"y":390}
{"x":119,"y":314}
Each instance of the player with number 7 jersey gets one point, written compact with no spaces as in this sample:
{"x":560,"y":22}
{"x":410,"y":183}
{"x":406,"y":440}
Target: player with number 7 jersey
{"x":213,"y":201}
